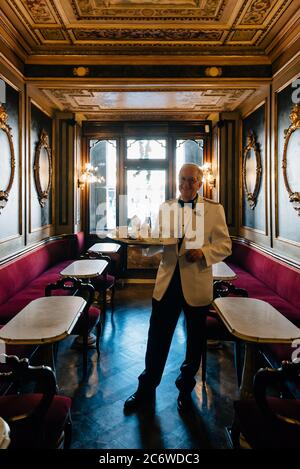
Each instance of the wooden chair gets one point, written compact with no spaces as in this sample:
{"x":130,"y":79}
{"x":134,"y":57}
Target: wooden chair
{"x":269,"y":422}
{"x":103,"y":283}
{"x":36,"y":419}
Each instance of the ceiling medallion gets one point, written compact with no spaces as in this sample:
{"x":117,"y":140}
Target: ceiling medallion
{"x":213,"y":72}
{"x":81,"y":71}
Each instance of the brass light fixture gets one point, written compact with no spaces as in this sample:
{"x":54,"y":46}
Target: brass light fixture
{"x":208,"y":176}
{"x":88,"y":176}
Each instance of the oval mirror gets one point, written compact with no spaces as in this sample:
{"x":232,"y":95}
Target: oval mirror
{"x":290,"y":160}
{"x":7,"y":159}
{"x":43,"y":168}
{"x":251,"y":170}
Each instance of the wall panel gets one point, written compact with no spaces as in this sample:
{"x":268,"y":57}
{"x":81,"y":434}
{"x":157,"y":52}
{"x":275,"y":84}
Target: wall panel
{"x":287,"y":219}
{"x":40,"y":218}
{"x":11,"y":216}
{"x":255,"y":219}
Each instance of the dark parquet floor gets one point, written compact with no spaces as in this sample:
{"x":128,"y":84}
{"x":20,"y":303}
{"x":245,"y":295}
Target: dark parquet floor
{"x":97,"y":411}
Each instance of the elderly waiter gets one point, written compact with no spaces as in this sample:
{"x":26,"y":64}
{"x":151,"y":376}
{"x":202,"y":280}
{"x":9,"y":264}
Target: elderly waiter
{"x":184,"y":282}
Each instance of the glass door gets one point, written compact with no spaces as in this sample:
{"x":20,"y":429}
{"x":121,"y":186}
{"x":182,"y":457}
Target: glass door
{"x":146,"y":178}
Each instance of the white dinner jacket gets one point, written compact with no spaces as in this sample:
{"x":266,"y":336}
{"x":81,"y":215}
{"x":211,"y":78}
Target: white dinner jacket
{"x":196,"y":277}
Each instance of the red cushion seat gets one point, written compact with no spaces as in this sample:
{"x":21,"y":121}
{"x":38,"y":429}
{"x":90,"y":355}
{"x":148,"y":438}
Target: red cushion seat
{"x":94,"y":316}
{"x":103,"y":282}
{"x":35,"y":289}
{"x":53,"y":426}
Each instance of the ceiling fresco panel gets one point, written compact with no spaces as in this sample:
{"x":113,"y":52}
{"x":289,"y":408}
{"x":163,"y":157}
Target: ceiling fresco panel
{"x":89,"y":101}
{"x":38,"y":10}
{"x":202,"y":9}
{"x":259,"y":10}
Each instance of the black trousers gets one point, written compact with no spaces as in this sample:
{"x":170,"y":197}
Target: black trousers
{"x":164,"y":317}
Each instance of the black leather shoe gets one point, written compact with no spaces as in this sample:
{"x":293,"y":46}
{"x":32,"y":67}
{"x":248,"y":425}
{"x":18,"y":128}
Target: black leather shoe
{"x":184,"y":402}
{"x":138,"y":400}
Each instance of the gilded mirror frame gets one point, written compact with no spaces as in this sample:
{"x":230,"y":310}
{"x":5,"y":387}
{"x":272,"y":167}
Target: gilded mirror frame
{"x":252,"y":145}
{"x":4,"y":193}
{"x":294,"y":197}
{"x":43,"y":143}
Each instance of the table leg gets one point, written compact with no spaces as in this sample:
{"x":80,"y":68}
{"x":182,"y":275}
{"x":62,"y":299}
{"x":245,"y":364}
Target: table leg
{"x":249,"y":369}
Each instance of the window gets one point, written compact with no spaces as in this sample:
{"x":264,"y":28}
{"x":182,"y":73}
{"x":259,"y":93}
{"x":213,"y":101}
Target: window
{"x":103,"y":193}
{"x":188,"y":151}
{"x":141,"y":162}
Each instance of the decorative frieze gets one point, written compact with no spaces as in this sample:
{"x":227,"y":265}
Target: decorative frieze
{"x":147,"y":34}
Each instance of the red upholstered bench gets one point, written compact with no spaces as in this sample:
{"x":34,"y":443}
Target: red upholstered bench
{"x":271,"y":280}
{"x":24,"y":277}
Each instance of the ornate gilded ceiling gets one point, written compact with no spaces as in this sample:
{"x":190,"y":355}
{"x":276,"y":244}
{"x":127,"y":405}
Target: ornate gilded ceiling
{"x":77,"y":44}
{"x":156,"y":27}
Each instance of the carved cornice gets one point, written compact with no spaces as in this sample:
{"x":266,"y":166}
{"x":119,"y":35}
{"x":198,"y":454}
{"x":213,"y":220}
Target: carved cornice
{"x":148,"y":34}
{"x":146,"y":116}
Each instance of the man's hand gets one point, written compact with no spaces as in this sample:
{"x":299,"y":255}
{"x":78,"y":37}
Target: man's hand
{"x":194,"y":255}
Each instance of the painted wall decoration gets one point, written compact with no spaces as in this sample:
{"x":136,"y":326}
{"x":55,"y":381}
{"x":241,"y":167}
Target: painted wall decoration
{"x":254,"y":198}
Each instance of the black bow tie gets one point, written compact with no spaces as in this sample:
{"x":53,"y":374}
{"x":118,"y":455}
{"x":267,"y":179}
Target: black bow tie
{"x":193,"y":202}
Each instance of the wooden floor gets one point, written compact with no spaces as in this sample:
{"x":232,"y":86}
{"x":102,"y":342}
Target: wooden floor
{"x":98,"y":418}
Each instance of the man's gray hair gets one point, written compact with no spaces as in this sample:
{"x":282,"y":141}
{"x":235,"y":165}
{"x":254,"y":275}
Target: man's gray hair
{"x":195,"y":166}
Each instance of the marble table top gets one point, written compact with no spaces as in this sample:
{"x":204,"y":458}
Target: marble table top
{"x":85,"y":268}
{"x":44,"y":320}
{"x":255,"y":320}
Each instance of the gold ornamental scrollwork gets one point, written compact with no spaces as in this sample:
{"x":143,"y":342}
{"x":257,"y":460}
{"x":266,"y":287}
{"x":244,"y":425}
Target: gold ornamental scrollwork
{"x":4,"y":193}
{"x":294,"y":197}
{"x":252,"y":145}
{"x":43,"y":144}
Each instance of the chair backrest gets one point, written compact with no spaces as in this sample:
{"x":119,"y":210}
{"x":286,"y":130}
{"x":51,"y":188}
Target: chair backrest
{"x":21,"y":373}
{"x":267,"y":378}
{"x":72,"y":286}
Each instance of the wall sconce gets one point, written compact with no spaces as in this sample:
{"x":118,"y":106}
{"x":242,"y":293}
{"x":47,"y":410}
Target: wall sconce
{"x":89,"y":176}
{"x":208,"y":176}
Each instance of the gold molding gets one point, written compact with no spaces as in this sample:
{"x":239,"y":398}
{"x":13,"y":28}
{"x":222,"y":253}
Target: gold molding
{"x":294,"y":197}
{"x":4,"y":193}
{"x":43,"y":143}
{"x":252,"y":145}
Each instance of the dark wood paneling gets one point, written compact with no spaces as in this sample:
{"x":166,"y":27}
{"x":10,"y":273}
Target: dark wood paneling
{"x":148,"y":71}
{"x":39,"y":216}
{"x":228,"y":168}
{"x":256,"y":218}
{"x":63,"y":165}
